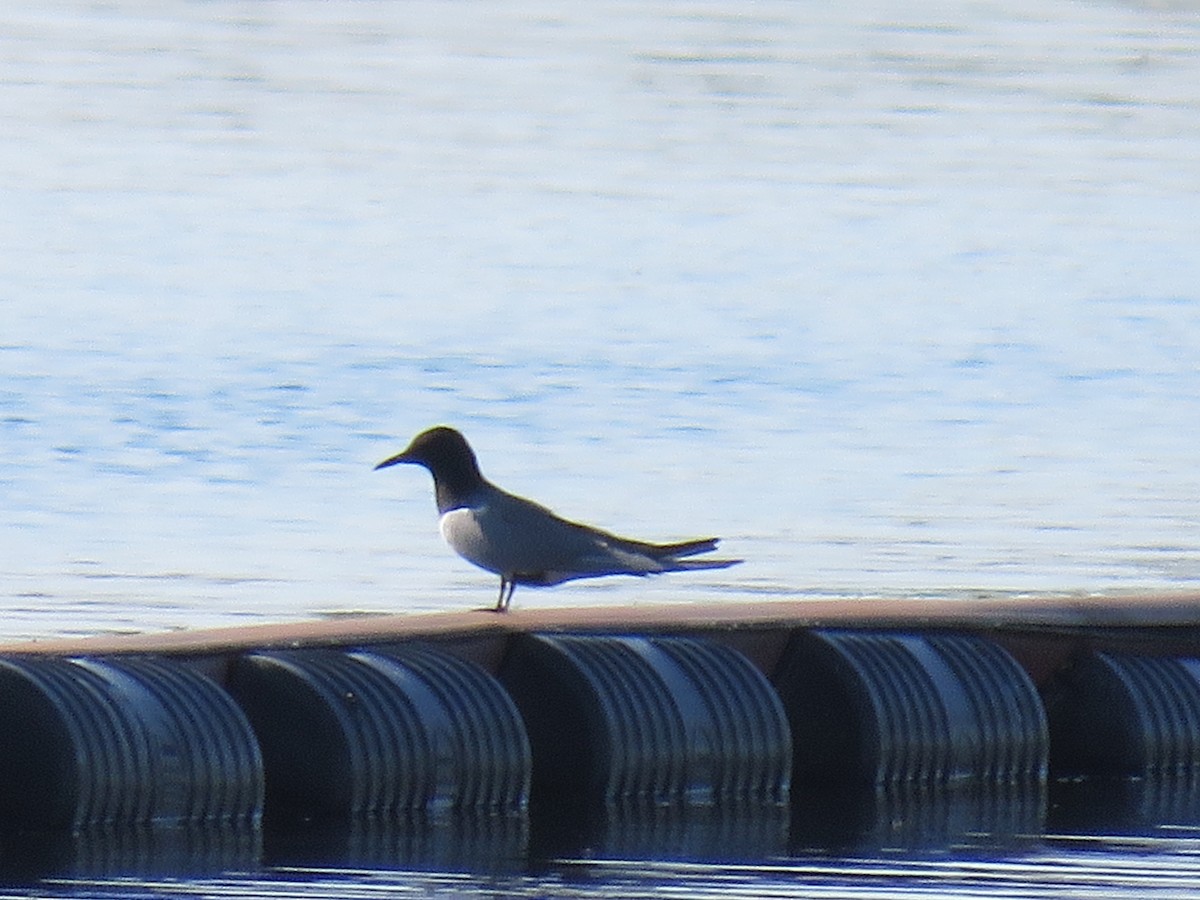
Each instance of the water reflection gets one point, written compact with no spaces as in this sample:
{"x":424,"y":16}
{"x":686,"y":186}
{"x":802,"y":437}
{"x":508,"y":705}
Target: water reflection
{"x":710,"y":834}
{"x":861,"y":823}
{"x":1125,"y":805}
{"x":464,"y":843}
{"x":480,"y":844}
{"x":144,"y":851}
{"x":1010,"y":842}
{"x":918,"y":819}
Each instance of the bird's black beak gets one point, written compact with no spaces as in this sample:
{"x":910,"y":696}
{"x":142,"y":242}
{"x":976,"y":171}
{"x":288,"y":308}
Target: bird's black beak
{"x":401,"y":457}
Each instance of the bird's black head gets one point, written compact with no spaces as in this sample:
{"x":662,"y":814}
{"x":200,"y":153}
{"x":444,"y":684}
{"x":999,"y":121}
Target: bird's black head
{"x":451,"y":461}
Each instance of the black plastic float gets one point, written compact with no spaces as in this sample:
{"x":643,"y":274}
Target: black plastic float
{"x":885,"y":708}
{"x":1126,"y":715}
{"x":644,"y":719}
{"x":87,"y":742}
{"x":361,"y":733}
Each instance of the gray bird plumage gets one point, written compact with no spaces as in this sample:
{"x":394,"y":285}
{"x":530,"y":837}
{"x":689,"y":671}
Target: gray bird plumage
{"x":522,"y":541}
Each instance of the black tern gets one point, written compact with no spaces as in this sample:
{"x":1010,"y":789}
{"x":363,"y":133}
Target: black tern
{"x":522,"y":541}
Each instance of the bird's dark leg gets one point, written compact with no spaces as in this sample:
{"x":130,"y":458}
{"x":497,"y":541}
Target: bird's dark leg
{"x":504,"y":599}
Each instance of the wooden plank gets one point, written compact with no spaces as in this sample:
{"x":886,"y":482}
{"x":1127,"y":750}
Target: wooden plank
{"x":1075,"y":611}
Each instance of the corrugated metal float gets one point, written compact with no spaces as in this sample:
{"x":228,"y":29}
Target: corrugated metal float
{"x":887,"y":708}
{"x":656,"y":719}
{"x":1119,"y":714}
{"x":369,"y":733}
{"x":89,"y":742}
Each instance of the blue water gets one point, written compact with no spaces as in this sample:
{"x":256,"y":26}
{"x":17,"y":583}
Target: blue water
{"x":899,"y":299}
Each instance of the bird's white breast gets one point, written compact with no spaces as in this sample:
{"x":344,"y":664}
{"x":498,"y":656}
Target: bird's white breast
{"x":461,"y":529}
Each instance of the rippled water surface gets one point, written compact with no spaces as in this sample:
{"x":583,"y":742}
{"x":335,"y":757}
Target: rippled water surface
{"x":1163,"y":868}
{"x":900,"y":299}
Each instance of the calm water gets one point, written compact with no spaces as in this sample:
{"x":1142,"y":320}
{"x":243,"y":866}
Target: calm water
{"x":901,"y":299}
{"x":1165,"y":867}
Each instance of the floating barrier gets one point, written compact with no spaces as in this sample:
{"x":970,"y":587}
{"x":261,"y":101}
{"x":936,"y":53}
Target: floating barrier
{"x":87,"y":742}
{"x":1124,"y":715}
{"x":642,"y":719}
{"x":360,"y":733}
{"x":887,"y":708}
{"x":690,"y":730}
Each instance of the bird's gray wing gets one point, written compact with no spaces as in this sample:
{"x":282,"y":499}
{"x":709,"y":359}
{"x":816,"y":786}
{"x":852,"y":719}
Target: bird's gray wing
{"x":540,"y":547}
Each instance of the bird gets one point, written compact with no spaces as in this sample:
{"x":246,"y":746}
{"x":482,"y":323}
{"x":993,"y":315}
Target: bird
{"x":522,"y":541}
